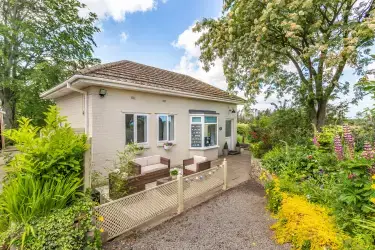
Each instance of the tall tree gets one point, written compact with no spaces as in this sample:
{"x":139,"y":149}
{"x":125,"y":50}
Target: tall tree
{"x":260,"y":41}
{"x":41,"y":42}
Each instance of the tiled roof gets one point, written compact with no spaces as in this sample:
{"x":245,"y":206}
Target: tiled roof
{"x":144,"y":75}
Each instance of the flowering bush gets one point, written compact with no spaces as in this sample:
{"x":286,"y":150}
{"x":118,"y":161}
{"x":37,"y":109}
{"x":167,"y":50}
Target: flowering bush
{"x":333,"y":173}
{"x":306,"y":225}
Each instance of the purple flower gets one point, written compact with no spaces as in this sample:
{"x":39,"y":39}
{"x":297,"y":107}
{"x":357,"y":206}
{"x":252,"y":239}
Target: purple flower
{"x":349,"y":140}
{"x":338,"y":148}
{"x":367,"y":153}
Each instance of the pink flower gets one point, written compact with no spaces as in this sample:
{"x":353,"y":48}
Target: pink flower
{"x":338,"y":148}
{"x":368,"y":152}
{"x":349,"y":140}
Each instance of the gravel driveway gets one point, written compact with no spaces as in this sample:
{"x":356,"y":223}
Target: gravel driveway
{"x":236,"y":219}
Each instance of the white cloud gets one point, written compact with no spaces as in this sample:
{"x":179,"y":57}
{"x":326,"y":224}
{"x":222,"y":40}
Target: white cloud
{"x":117,"y":9}
{"x":190,"y":65}
{"x":124,"y":36}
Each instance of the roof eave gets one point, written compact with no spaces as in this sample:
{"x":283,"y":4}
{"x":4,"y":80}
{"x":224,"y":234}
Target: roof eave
{"x":133,"y":86}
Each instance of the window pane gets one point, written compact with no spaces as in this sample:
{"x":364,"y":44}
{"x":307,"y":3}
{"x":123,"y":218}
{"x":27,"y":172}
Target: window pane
{"x":129,"y":128}
{"x":162,"y":128}
{"x":141,"y":128}
{"x":196,"y":119}
{"x":196,"y":135}
{"x":210,"y":119}
{"x":210,"y":135}
{"x":171,"y":127}
{"x":228,"y":128}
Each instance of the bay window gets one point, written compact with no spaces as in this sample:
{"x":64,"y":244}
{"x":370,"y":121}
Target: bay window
{"x":203,"y":131}
{"x":166,"y":127}
{"x":136,"y":128}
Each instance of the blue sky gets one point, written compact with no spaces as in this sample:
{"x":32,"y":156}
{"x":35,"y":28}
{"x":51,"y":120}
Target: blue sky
{"x":158,"y":33}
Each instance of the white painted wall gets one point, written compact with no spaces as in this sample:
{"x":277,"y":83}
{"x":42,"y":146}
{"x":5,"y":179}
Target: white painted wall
{"x":72,"y":106}
{"x":107,"y":122}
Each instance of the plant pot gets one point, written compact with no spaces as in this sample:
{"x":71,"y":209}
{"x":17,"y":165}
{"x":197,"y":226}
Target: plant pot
{"x":174,"y":177}
{"x":166,"y":147}
{"x":225,"y":152}
{"x":242,"y":150}
{"x":140,"y":152}
{"x":238,"y":149}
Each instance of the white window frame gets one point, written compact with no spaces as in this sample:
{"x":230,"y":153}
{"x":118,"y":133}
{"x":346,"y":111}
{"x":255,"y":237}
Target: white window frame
{"x":168,"y":135}
{"x":135,"y":128}
{"x":202,"y":122}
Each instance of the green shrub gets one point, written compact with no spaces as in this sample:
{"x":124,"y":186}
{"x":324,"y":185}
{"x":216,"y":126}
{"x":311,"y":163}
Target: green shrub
{"x":63,"y":229}
{"x":258,"y":149}
{"x":53,"y":151}
{"x":25,"y":197}
{"x":242,"y":132}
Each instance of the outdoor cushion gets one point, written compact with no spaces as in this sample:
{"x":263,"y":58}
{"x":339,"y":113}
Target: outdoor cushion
{"x":155,"y":159}
{"x":141,"y":161}
{"x":152,"y":168}
{"x":192,"y":167}
{"x":198,"y":159}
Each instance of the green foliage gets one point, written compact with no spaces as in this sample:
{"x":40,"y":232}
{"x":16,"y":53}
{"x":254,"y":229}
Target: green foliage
{"x":53,"y":151}
{"x":40,"y":201}
{"x":242,"y":132}
{"x":327,"y":136}
{"x":256,"y":40}
{"x":345,"y":186}
{"x":41,"y":196}
{"x":118,"y":179}
{"x":274,"y":196}
{"x":258,"y":149}
{"x":38,"y":53}
{"x":270,"y":129}
{"x":63,"y":229}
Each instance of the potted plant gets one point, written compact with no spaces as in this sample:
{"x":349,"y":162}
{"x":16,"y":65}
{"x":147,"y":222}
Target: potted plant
{"x":174,"y":173}
{"x":168,"y":145}
{"x":238,"y":148}
{"x":139,"y":150}
{"x":225,"y":149}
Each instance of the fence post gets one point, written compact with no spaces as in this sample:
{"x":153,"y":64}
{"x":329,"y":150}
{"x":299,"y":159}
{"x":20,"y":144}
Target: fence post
{"x":225,"y":169}
{"x":180,"y":193}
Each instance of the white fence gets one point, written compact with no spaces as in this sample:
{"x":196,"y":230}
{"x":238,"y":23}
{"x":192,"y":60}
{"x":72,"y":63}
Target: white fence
{"x":122,"y":215}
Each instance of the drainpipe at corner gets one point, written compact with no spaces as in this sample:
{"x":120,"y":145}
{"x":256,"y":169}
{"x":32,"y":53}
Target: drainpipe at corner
{"x":85,"y":111}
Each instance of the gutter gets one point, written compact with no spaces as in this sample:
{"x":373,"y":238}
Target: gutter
{"x":85,"y":111}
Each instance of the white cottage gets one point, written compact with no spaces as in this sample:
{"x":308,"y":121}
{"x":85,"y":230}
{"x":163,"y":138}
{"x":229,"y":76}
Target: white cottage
{"x":123,"y":102}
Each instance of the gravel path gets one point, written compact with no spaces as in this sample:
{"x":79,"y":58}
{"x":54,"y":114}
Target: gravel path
{"x":237,"y":219}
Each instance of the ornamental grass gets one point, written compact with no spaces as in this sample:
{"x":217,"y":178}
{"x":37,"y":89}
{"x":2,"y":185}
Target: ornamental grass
{"x":306,"y":225}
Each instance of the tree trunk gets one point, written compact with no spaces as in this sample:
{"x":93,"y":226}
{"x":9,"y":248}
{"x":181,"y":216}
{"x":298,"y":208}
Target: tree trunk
{"x":321,"y":114}
{"x":317,"y":113}
{"x":8,"y":101}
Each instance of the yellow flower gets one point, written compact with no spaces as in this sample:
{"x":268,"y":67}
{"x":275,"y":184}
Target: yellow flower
{"x":372,"y":200}
{"x":101,"y":230}
{"x":373,"y":177}
{"x":101,"y":218}
{"x":373,"y":186}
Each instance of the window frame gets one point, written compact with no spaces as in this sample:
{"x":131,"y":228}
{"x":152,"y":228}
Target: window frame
{"x":135,"y":132}
{"x":203,"y":123}
{"x":168,"y":135}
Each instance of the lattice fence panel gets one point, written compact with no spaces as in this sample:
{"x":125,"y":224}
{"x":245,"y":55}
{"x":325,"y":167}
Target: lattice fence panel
{"x":121,"y":215}
{"x":202,"y":182}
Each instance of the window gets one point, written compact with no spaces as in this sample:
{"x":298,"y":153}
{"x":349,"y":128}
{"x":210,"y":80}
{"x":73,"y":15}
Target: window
{"x":203,"y":134}
{"x":136,"y":128}
{"x":166,"y":128}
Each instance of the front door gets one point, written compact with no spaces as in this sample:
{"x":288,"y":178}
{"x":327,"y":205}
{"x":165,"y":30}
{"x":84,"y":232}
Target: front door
{"x":229,"y":133}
